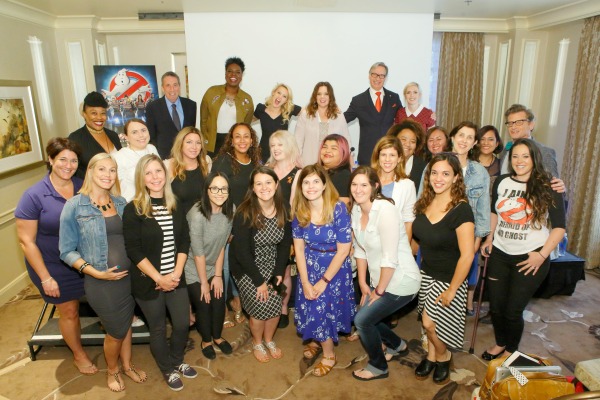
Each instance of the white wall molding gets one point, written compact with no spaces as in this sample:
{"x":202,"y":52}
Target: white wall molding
{"x":471,"y":25}
{"x":7,"y":216}
{"x":77,"y":22}
{"x":559,"y":78}
{"x":25,"y":13}
{"x":527,"y":71}
{"x":133,"y":25}
{"x":567,"y":13}
{"x":13,"y":288}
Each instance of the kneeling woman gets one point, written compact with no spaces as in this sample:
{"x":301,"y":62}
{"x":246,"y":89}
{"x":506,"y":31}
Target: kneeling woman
{"x":157,"y":241}
{"x":445,"y":230}
{"x":91,"y":241}
{"x":258,"y":255}
{"x":381,"y":244}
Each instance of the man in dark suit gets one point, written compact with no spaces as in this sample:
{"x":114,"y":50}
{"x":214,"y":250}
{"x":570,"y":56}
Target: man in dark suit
{"x":166,"y":116}
{"x":375,"y":109}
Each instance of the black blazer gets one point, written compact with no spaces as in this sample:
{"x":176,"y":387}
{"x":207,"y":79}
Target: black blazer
{"x":90,"y":147}
{"x":373,"y":124}
{"x":161,"y":126}
{"x":416,"y":173}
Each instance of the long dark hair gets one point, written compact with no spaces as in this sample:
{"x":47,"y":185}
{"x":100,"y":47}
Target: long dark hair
{"x":332,"y":108}
{"x":482,"y":131}
{"x":457,"y":192}
{"x":373,"y":178}
{"x":250,"y":209}
{"x":204,"y":204}
{"x":538,"y":193}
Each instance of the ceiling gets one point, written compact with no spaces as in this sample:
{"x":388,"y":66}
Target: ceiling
{"x":477,"y":9}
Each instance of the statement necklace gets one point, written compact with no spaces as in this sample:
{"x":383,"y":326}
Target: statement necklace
{"x":103,"y":207}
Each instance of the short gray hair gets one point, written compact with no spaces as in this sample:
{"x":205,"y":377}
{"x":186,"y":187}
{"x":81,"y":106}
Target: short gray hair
{"x":379,"y":64}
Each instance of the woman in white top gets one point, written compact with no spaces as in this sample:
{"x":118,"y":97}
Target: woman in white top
{"x":138,"y":139}
{"x":382,"y":246}
{"x":318,"y":119}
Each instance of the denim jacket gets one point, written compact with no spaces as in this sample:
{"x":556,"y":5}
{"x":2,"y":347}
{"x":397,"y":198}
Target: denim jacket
{"x":82,"y":231}
{"x":477,"y":182}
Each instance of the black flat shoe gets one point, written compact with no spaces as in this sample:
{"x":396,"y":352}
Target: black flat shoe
{"x":489,"y":356}
{"x":225,"y":347}
{"x":424,"y":369}
{"x":284,"y":321}
{"x":441,"y":375}
{"x":209,"y":352}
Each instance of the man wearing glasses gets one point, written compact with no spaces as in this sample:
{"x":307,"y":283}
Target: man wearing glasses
{"x":375,"y":109}
{"x":520,"y":123}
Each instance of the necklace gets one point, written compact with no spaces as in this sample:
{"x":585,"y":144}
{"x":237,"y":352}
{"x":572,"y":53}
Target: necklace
{"x":270,"y":213}
{"x":101,"y":132}
{"x":230,"y":100}
{"x":102,"y":207}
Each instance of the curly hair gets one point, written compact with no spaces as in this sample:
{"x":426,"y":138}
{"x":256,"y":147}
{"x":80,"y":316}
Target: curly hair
{"x":253,"y":151}
{"x":250,"y":209}
{"x":389,"y":142}
{"x":288,"y":106}
{"x":413,"y":126}
{"x":332,"y":108}
{"x":300,"y":206}
{"x":458,"y":192}
{"x":177,"y":161}
{"x":237,"y":61}
{"x":538,"y":193}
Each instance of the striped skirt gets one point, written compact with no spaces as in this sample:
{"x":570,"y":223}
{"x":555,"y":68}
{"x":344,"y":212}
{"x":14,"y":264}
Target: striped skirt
{"x":449,"y":321}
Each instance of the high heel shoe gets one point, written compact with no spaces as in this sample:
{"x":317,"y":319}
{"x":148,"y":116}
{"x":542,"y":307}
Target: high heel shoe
{"x":441,"y":375}
{"x":424,"y":369}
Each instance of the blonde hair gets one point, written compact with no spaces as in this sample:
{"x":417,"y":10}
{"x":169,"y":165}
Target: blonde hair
{"x":300,"y":206}
{"x":290,"y":148}
{"x":142,"y":200}
{"x":87,"y":186}
{"x":288,"y":106}
{"x":177,"y":161}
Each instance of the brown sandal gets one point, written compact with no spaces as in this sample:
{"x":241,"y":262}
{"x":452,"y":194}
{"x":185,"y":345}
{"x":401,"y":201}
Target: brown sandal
{"x":323,"y":369}
{"x":239,"y":316}
{"x":311,"y":350}
{"x":138,"y":376}
{"x":117,"y":377}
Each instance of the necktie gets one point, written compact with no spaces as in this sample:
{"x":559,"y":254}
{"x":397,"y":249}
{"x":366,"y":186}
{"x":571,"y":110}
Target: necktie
{"x":175,"y":116}
{"x":378,"y":101}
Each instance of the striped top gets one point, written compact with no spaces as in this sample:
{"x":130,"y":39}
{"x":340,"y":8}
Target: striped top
{"x":165,"y":221}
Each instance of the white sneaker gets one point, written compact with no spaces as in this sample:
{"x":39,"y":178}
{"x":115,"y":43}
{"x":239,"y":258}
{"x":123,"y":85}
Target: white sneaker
{"x":137,"y":322}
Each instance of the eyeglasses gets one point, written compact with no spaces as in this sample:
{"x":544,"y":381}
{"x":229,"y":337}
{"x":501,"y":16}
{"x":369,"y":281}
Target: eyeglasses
{"x":518,"y":122}
{"x":215,"y":190}
{"x":380,"y":76}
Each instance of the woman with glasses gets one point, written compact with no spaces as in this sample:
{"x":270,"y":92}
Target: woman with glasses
{"x":210,"y":221}
{"x":318,"y":119}
{"x":414,"y":109}
{"x":445,"y":230}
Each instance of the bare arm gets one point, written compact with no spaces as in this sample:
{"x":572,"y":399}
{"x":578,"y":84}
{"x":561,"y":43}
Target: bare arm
{"x":343,"y":249}
{"x":466,"y":237}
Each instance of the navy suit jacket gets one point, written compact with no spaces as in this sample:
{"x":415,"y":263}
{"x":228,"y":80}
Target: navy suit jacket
{"x":373,"y":124}
{"x":161,"y":126}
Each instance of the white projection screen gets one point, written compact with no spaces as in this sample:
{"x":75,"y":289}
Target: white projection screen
{"x":301,"y":49}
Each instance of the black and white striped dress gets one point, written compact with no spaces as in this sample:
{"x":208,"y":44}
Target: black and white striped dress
{"x":165,"y":221}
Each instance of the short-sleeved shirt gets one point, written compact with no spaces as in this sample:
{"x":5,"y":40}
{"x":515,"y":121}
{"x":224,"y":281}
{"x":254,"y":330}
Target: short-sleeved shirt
{"x":341,"y":181}
{"x":439,"y":243}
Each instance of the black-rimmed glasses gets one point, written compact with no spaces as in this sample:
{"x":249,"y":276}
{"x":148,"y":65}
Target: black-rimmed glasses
{"x":215,"y":190}
{"x":518,"y":122}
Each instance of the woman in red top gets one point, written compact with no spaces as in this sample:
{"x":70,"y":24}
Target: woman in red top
{"x":414,"y":110}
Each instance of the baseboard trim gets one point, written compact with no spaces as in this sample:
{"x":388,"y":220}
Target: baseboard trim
{"x":13,"y":288}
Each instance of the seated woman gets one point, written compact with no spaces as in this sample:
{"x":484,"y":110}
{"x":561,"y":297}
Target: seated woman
{"x":210,"y":223}
{"x":335,"y":158}
{"x":517,"y":267}
{"x":412,"y":138}
{"x":157,"y":241}
{"x":322,"y":234}
{"x":414,"y":110}
{"x":382,"y":246}
{"x":275,"y":115}
{"x":91,"y":241}
{"x":445,"y":230}
{"x":38,"y":219}
{"x":258,"y":257}
{"x":138,"y":139}
{"x":321,"y":117}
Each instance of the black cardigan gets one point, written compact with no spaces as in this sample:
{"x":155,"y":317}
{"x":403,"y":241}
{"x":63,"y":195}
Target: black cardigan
{"x":90,"y":147}
{"x":144,"y":239}
{"x":242,"y":259}
{"x":416,"y":173}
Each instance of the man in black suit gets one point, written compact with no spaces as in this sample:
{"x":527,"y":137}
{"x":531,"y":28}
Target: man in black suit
{"x":375,"y":109}
{"x":166,"y":116}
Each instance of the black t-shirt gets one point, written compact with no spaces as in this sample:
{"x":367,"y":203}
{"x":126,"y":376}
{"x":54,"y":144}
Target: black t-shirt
{"x":269,"y":125}
{"x":188,"y":191}
{"x":439,"y":243}
{"x":238,"y":183}
{"x":341,"y":180}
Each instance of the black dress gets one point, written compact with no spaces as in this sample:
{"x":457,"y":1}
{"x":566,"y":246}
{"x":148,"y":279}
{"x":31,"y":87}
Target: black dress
{"x":188,"y":191}
{"x":239,"y":182}
{"x":269,"y":125}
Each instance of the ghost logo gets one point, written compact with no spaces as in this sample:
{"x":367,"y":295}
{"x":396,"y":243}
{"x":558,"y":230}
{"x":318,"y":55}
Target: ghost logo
{"x":514,"y":211}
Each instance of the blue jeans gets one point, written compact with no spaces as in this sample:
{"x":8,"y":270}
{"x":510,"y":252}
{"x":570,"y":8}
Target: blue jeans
{"x":373,"y":331}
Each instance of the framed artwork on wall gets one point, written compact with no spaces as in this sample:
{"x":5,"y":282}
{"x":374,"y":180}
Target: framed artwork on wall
{"x":19,"y":135}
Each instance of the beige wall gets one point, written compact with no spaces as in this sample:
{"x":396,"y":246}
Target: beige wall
{"x":17,"y":64}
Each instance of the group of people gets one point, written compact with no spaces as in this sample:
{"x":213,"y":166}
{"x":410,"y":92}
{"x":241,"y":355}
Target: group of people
{"x":163,"y":225}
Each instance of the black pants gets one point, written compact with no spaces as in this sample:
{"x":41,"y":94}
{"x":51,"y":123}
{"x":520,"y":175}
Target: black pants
{"x":510,"y":291}
{"x":209,"y":316}
{"x":167,"y":354}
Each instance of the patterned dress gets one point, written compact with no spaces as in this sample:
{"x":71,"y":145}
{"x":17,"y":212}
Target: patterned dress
{"x":334,"y":310}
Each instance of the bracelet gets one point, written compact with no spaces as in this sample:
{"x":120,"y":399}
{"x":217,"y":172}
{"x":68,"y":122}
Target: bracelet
{"x":218,"y":276}
{"x":540,"y":253}
{"x":325,"y":279}
{"x":379,"y":294}
{"x":83,"y":266}
{"x":47,"y":280}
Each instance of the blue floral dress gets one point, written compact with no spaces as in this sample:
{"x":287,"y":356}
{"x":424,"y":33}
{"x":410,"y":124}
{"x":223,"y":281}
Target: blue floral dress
{"x":334,"y":310}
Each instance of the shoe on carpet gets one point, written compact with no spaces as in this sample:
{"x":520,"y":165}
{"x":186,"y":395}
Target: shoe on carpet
{"x":174,"y":381}
{"x":187,"y":371}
